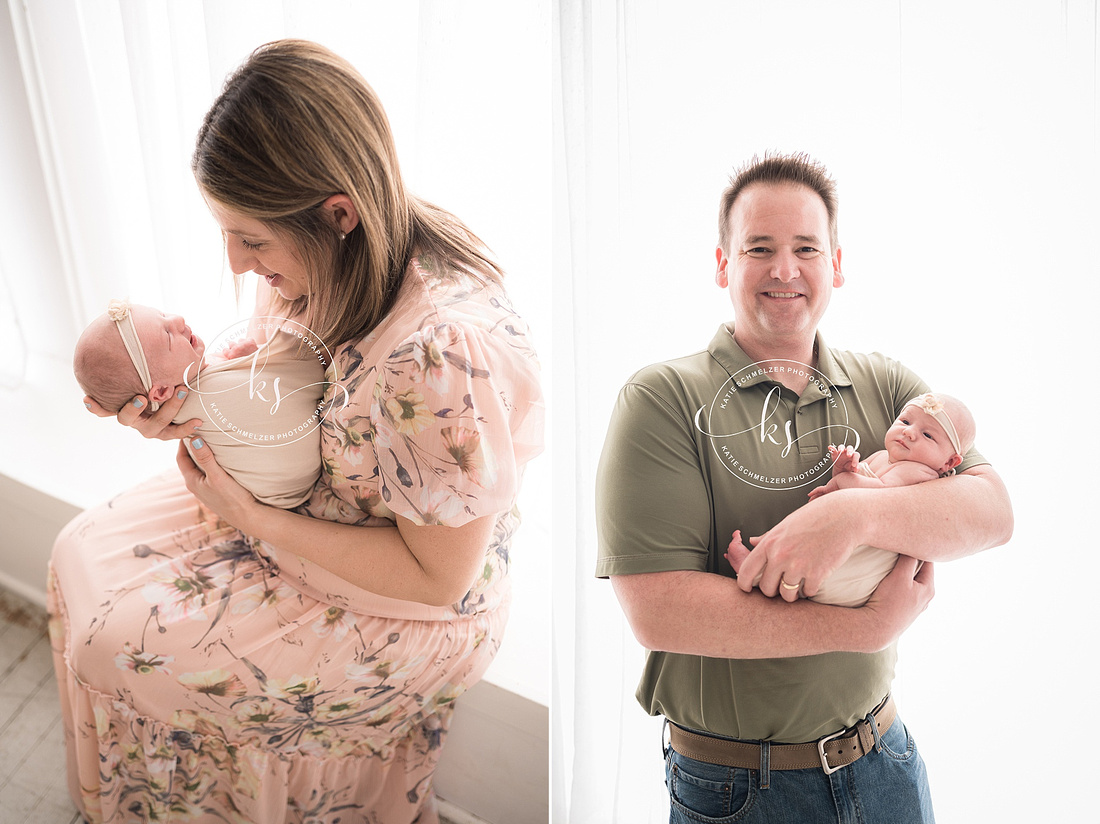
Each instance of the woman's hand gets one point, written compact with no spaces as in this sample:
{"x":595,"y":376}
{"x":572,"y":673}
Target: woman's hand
{"x":157,"y":424}
{"x":213,"y":486}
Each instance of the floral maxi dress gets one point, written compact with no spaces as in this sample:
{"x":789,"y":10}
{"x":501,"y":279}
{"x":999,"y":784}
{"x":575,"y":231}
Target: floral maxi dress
{"x":209,"y":677}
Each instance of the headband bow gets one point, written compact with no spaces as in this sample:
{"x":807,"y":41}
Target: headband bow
{"x":934,"y":406}
{"x":119,"y":312}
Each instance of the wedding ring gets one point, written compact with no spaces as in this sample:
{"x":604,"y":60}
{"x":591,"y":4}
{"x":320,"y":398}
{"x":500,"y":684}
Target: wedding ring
{"x":785,"y":585}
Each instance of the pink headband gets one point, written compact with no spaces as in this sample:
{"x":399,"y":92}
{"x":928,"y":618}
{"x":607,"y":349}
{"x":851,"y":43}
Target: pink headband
{"x":119,"y":312}
{"x":934,"y":406}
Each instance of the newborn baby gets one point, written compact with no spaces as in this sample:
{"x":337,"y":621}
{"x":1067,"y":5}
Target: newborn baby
{"x":258,"y":403}
{"x":926,"y":441}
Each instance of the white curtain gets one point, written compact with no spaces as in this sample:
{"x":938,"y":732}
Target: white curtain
{"x":964,"y":140}
{"x":117,"y":90}
{"x":102,"y":101}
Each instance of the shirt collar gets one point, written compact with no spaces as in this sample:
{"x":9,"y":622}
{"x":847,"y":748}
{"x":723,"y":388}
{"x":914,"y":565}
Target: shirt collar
{"x":724,"y":349}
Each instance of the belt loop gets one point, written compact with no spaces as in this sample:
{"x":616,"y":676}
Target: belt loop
{"x":765,"y":764}
{"x":872,"y":722}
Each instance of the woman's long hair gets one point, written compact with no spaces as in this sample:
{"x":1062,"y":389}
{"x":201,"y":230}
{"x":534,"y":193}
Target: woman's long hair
{"x":294,"y":125}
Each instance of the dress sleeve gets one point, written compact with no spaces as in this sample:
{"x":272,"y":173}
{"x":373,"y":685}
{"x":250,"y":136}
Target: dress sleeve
{"x":458,"y":412}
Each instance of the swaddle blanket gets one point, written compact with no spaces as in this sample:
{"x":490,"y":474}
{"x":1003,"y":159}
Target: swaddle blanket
{"x":261,"y":418}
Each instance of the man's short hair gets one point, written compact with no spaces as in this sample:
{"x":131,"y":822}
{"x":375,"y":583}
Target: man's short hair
{"x":799,"y":168}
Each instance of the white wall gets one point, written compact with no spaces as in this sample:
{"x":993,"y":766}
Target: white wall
{"x":963,"y":136}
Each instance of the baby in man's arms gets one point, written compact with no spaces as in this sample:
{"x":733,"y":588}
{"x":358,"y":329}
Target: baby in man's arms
{"x":927,"y":441}
{"x":259,"y":403}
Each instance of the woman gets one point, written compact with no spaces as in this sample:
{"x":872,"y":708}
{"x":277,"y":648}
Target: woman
{"x":222,"y":660}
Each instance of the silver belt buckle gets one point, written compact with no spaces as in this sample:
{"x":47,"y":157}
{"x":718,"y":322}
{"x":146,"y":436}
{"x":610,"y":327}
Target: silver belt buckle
{"x":821,"y":752}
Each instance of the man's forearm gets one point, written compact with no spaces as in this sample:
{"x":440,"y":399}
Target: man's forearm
{"x":938,"y":520}
{"x":701,"y":613}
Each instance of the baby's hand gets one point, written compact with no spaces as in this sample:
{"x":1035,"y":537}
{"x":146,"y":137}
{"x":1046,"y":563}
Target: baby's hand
{"x":737,"y":551}
{"x":844,"y":460}
{"x":238,"y":349}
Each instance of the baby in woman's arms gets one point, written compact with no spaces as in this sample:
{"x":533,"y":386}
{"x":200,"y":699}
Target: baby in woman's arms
{"x":259,"y":403}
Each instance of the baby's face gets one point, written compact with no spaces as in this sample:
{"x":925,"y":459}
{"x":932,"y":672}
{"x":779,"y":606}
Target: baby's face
{"x":917,"y":436}
{"x":171,"y":349}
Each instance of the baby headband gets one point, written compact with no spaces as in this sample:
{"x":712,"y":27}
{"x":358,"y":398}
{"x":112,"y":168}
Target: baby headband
{"x":934,"y":407}
{"x":119,"y":312}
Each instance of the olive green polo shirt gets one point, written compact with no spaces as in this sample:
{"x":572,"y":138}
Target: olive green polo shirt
{"x":703,"y":445}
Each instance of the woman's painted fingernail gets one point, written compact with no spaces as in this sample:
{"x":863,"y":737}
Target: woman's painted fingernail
{"x":138,"y":402}
{"x":197,"y":443}
{"x":87,"y":406}
{"x":181,"y":394}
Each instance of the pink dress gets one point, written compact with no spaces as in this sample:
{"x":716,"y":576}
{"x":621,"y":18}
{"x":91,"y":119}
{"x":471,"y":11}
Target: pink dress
{"x":209,"y":677}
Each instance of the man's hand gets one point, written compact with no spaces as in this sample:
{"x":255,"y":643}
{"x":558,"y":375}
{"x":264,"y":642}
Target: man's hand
{"x":899,"y":599}
{"x":804,"y":548}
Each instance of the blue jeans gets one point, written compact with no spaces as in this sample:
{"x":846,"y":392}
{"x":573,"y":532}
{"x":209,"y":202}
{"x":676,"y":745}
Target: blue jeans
{"x":885,"y":787}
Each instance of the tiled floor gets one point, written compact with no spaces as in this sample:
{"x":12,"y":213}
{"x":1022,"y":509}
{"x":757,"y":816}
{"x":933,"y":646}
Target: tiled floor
{"x":32,"y":751}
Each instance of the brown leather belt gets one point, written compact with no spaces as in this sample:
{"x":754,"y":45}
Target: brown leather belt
{"x":829,"y":753}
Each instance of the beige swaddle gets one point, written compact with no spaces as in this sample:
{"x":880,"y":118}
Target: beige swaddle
{"x":261,"y":419}
{"x":852,"y":583}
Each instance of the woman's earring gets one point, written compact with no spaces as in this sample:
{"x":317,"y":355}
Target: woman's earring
{"x":343,"y":236}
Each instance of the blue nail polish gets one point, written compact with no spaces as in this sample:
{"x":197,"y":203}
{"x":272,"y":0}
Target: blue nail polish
{"x":139,"y":403}
{"x":197,"y":443}
{"x":181,"y":394}
{"x":87,"y":405}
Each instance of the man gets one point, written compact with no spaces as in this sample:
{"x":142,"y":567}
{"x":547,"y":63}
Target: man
{"x":734,"y":437}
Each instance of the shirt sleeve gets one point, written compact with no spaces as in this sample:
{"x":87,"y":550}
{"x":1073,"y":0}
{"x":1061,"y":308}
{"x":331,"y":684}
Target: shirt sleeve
{"x":458,"y":413}
{"x":653,"y":507}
